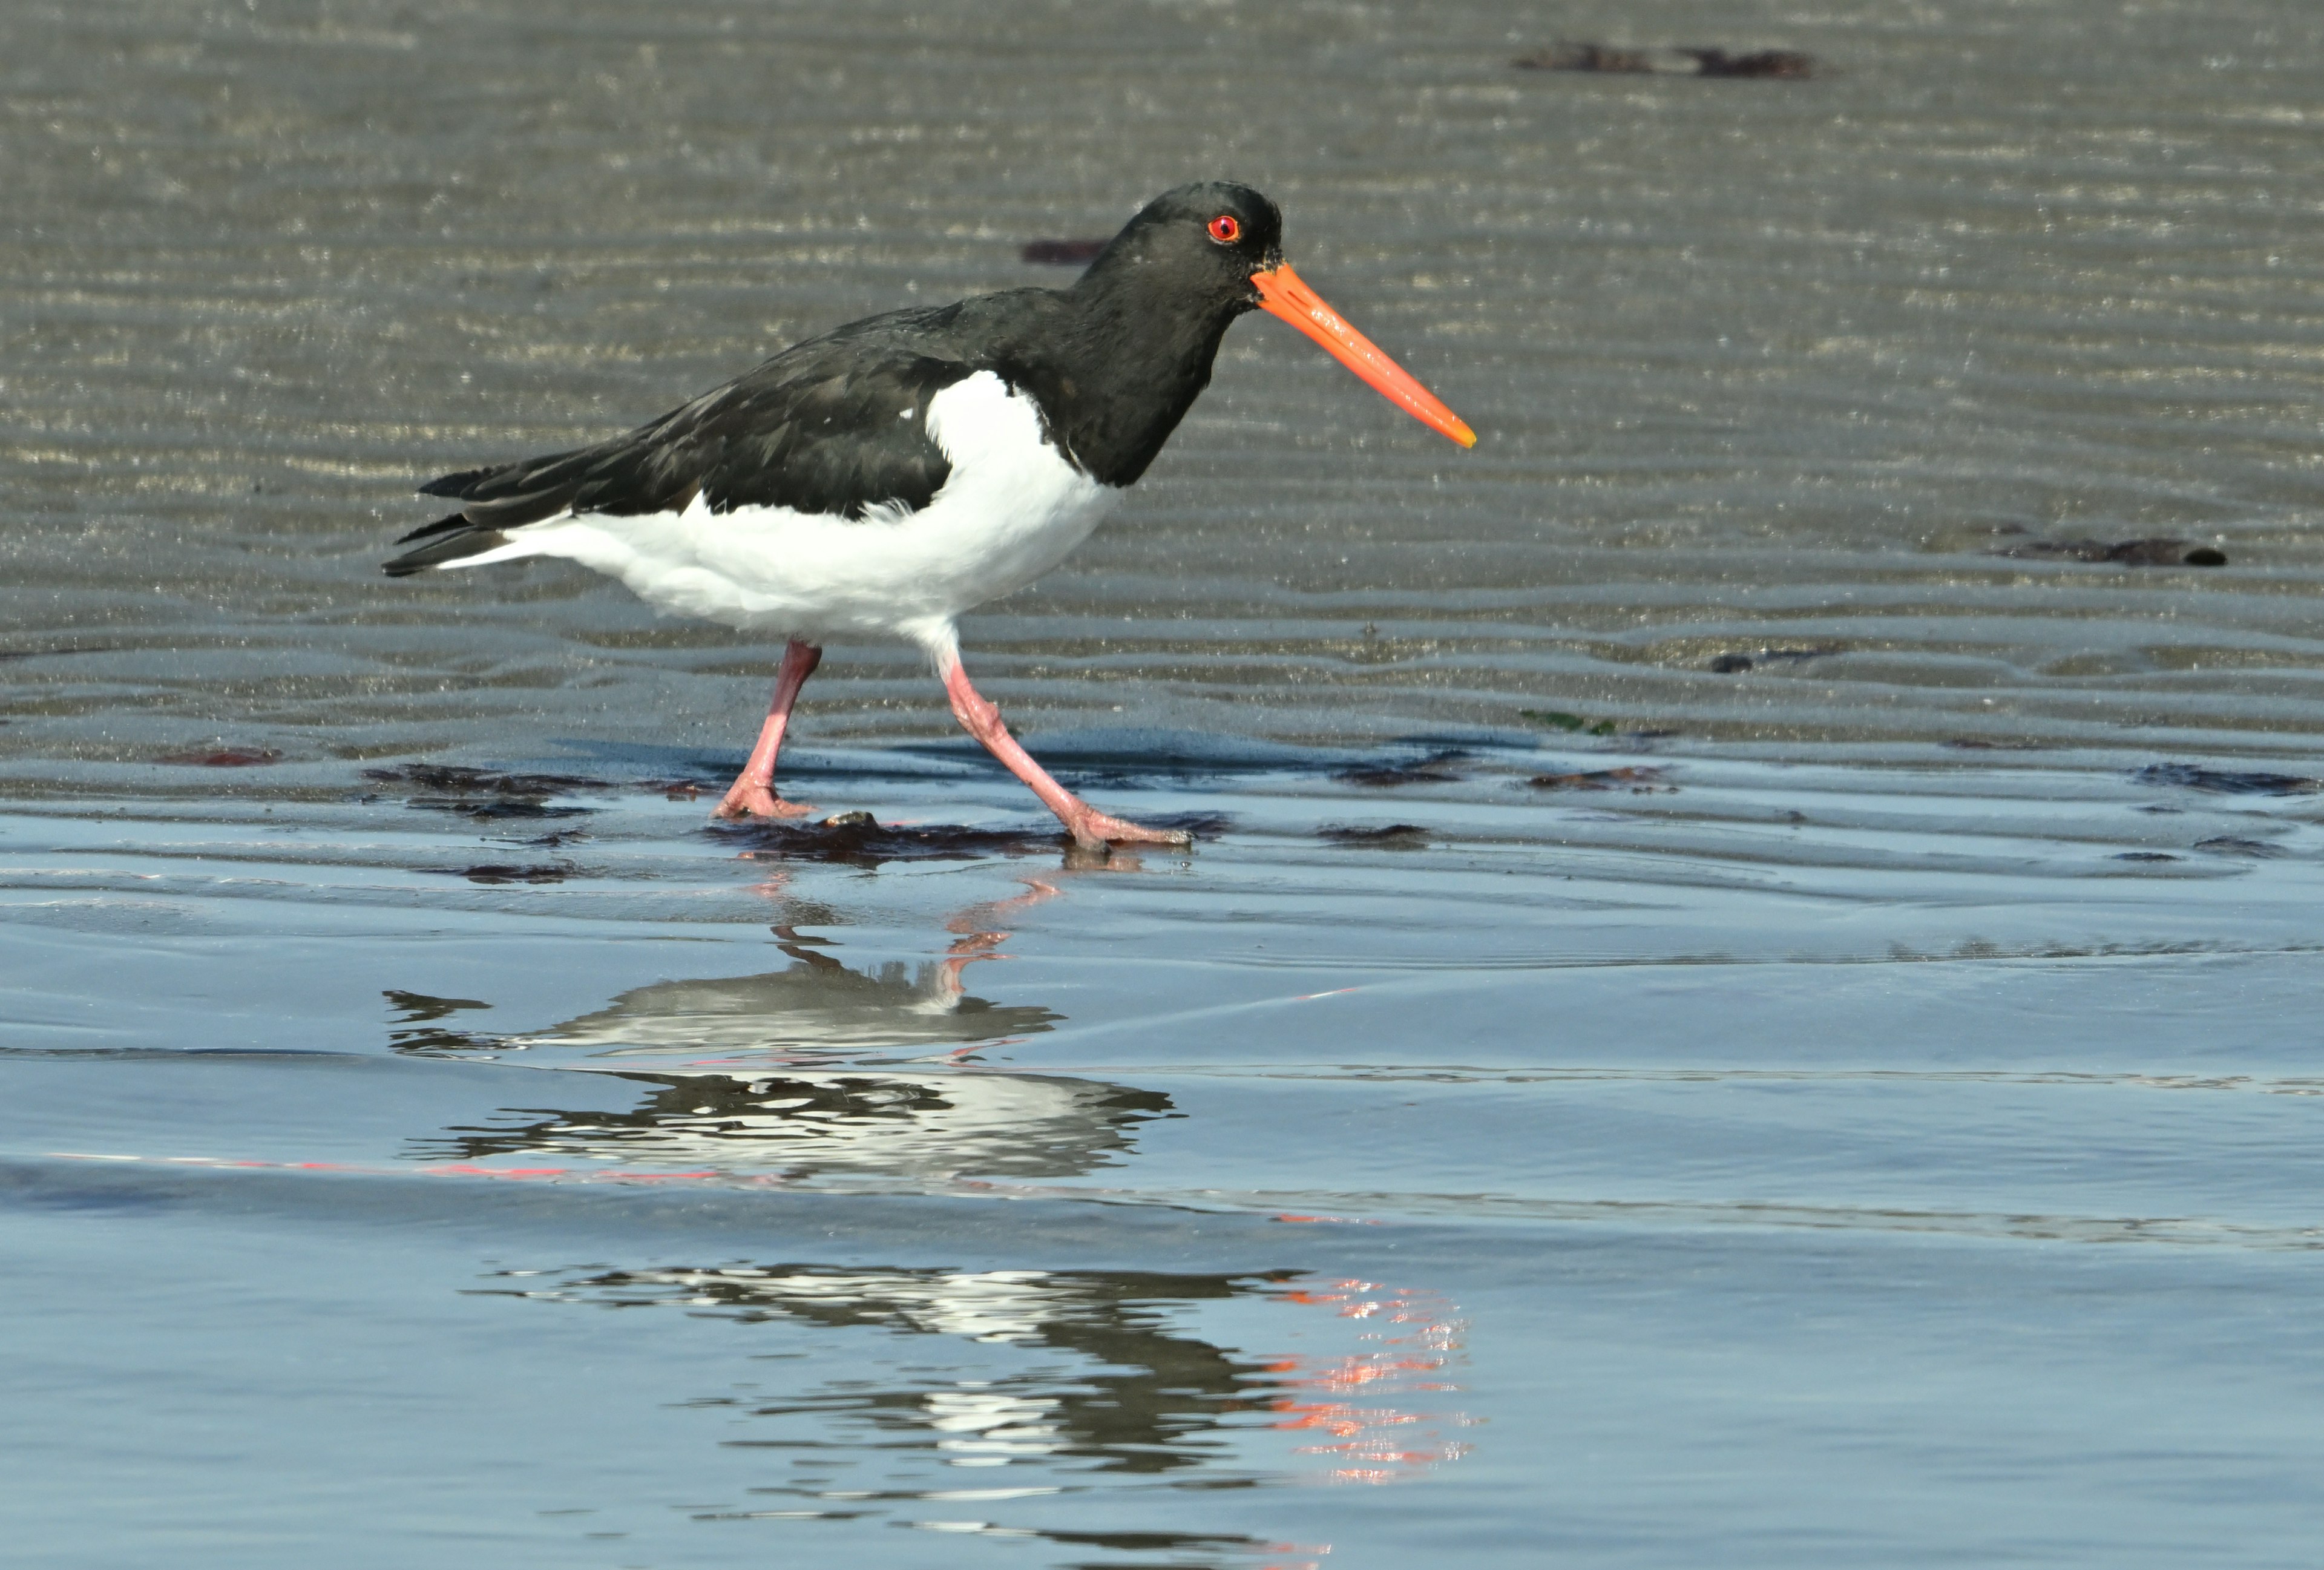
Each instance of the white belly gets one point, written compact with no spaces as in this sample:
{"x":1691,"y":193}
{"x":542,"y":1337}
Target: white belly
{"x":1011,"y":509}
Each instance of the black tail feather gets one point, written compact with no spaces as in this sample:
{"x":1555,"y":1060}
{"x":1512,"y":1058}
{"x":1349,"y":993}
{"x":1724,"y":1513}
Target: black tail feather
{"x":441,"y":526}
{"x":499,"y":497}
{"x":457,"y":541}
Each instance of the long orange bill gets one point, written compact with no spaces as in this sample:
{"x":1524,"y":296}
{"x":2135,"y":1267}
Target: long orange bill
{"x":1281,"y":293}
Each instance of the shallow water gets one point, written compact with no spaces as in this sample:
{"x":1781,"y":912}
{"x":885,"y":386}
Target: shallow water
{"x":1583,"y":1097}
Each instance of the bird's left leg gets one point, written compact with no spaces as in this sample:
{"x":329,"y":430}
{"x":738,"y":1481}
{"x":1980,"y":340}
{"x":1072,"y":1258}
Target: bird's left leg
{"x":1091,"y":829}
{"x":754,"y":794}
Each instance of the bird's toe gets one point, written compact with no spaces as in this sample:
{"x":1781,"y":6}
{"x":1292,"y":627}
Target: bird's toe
{"x":759,"y":802}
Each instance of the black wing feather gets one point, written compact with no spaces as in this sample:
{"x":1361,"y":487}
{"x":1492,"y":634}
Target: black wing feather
{"x":836,"y":425}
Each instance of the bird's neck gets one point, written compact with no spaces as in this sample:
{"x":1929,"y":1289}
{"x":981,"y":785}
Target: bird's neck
{"x":1125,"y":370}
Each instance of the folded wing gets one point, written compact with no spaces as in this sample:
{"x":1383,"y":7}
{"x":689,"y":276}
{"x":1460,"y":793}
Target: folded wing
{"x":825,"y":427}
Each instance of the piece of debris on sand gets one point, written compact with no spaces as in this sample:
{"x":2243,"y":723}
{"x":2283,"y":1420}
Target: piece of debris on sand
{"x":502,"y":872}
{"x":1387,"y":837}
{"x":1733,"y":664}
{"x":2226,"y":781}
{"x":1638,"y":778}
{"x":1436,"y":769}
{"x":2160,"y":551}
{"x":482,"y":794}
{"x":223,"y":757}
{"x":1774,"y":63}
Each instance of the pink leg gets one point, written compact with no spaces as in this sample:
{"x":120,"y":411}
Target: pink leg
{"x":1091,"y":829}
{"x":754,"y":794}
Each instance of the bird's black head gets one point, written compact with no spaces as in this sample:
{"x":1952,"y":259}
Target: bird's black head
{"x":1199,"y":244}
{"x":1120,"y":358}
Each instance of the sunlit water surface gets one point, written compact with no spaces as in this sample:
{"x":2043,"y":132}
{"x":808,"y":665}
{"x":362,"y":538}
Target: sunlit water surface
{"x":1737,"y":1002}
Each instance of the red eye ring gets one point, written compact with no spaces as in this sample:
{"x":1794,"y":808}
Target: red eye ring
{"x":1225,"y":229}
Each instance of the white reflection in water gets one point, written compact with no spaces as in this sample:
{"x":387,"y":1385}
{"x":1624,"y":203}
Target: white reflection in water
{"x":1086,"y":1387}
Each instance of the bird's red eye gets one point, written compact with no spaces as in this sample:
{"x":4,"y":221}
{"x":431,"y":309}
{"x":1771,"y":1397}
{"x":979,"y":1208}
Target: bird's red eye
{"x":1225,"y":230}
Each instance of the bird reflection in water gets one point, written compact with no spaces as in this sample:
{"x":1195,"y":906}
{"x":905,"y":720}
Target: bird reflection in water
{"x":818,"y":1008}
{"x":1056,"y":1397}
{"x":1094,"y":1385}
{"x":820,"y":1068}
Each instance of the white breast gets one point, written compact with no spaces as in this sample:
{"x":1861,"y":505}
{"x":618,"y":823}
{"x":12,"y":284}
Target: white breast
{"x":1011,"y":509}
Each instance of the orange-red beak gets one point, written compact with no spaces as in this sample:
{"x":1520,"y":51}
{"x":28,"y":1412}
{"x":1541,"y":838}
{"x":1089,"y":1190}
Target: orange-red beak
{"x":1280,"y":293}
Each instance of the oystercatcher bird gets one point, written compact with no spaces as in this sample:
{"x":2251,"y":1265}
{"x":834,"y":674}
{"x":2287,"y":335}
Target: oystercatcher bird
{"x":885,"y":478}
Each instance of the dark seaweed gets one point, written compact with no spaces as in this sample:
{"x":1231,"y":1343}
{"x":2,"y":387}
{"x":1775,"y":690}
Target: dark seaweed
{"x":223,"y":757}
{"x":2228,"y":845}
{"x":2160,"y":551}
{"x":1638,"y":778}
{"x":2226,"y":782}
{"x":502,"y":872}
{"x":492,"y":809}
{"x":1435,"y":769}
{"x":481,"y":794}
{"x":1729,"y":664}
{"x":1767,"y":63}
{"x":1387,"y":837}
{"x":857,"y":839}
{"x":444,"y":780}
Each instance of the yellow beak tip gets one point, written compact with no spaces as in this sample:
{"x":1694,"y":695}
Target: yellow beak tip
{"x":1463,"y":435}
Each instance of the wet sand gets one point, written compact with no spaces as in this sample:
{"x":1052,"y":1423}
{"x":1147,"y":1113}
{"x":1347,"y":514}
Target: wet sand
{"x":1745,"y":989}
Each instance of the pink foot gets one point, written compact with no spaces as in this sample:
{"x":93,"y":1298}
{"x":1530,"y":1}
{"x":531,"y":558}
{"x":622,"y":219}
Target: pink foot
{"x":1095,"y":830}
{"x":759,"y":801}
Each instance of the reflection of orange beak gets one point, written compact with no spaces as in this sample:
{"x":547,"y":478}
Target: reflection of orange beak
{"x":1280,"y":293}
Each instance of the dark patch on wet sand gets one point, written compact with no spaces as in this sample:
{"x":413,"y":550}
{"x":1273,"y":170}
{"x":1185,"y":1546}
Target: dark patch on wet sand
{"x":1638,"y":778}
{"x":2146,"y":857}
{"x":680,"y":790}
{"x":2228,"y":844}
{"x":223,"y":758}
{"x":1978,"y":744}
{"x":445,"y":779}
{"x":2226,"y":781}
{"x":1061,"y":253}
{"x":1435,"y":769}
{"x":1781,"y":64}
{"x":1729,"y":664}
{"x":1387,"y":837}
{"x":44,"y":653}
{"x":480,"y":793}
{"x":2159,"y":551}
{"x":490,"y":808}
{"x":507,"y":873}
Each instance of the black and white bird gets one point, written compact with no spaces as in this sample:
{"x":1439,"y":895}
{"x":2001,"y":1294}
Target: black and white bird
{"x":882,"y":478}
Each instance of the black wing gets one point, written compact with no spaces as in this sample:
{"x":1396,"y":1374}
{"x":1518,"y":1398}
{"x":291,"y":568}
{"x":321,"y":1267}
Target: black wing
{"x":835,"y":425}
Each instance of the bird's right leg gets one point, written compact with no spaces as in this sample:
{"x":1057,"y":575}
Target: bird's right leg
{"x":1091,"y":829}
{"x":753,"y":793}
